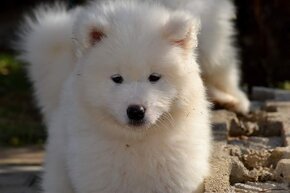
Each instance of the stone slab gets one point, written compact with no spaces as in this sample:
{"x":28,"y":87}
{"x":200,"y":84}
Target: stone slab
{"x":21,"y":156}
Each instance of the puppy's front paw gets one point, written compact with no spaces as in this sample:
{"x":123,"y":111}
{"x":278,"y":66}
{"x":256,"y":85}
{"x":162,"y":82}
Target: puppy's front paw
{"x":237,"y":102}
{"x":243,"y":105}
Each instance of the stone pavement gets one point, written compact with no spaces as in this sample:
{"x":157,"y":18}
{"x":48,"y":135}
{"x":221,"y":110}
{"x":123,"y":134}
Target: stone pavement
{"x":20,"y":179}
{"x":20,"y":169}
{"x":251,"y":154}
{"x":21,"y":156}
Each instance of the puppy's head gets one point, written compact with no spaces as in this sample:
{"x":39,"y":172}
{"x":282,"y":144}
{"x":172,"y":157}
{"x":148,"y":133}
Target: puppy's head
{"x":136,"y":63}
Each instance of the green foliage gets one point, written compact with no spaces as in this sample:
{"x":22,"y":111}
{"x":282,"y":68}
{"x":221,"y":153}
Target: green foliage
{"x":12,"y":75}
{"x":284,"y":85}
{"x":19,"y":120}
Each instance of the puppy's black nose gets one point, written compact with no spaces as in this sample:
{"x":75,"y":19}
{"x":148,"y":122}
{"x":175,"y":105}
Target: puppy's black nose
{"x":136,"y":112}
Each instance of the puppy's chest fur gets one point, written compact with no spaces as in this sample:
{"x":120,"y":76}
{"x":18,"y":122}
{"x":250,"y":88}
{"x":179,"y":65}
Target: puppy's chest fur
{"x":153,"y":166}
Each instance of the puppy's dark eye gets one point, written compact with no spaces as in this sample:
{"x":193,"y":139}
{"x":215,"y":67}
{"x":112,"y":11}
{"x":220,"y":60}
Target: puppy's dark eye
{"x":117,"y":78}
{"x":154,"y":77}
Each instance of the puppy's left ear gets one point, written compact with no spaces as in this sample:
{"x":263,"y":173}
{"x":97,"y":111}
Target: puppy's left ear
{"x":182,"y":30}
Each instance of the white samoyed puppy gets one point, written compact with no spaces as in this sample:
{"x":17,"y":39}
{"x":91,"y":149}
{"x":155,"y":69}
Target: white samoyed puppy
{"x":121,"y":93}
{"x":122,"y":96}
{"x":47,"y":46}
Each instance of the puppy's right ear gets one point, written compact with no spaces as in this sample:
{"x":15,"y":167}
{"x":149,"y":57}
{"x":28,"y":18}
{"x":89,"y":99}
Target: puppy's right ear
{"x":88,"y":33}
{"x":95,"y":35}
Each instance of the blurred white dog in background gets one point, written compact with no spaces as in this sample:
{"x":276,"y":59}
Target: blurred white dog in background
{"x":217,"y":54}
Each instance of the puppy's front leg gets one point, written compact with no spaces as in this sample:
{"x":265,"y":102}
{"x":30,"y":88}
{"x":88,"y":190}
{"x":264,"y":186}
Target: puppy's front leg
{"x":55,"y":177}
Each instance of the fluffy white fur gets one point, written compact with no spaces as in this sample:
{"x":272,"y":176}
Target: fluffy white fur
{"x":47,"y":46}
{"x":91,"y":147}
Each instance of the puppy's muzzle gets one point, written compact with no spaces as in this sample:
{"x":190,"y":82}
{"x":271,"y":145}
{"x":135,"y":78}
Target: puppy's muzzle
{"x":136,"y":114}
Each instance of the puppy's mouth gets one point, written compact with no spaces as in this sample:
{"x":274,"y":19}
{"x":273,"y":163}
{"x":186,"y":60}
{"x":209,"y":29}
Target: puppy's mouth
{"x":137,"y":123}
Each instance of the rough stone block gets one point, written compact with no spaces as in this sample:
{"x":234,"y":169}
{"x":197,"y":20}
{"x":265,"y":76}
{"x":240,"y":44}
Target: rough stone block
{"x":272,"y":124}
{"x":282,"y":171}
{"x":274,"y":105}
{"x":246,"y":187}
{"x":264,"y":94}
{"x":254,"y":187}
{"x":257,"y":143}
{"x":218,"y":181}
{"x":277,"y":154}
{"x":286,"y":132}
{"x":256,"y":106}
{"x":221,"y":120}
{"x":241,"y":128}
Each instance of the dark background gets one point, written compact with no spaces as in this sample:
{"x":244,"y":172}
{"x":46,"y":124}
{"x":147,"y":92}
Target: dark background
{"x":263,"y":36}
{"x":264,"y":40}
